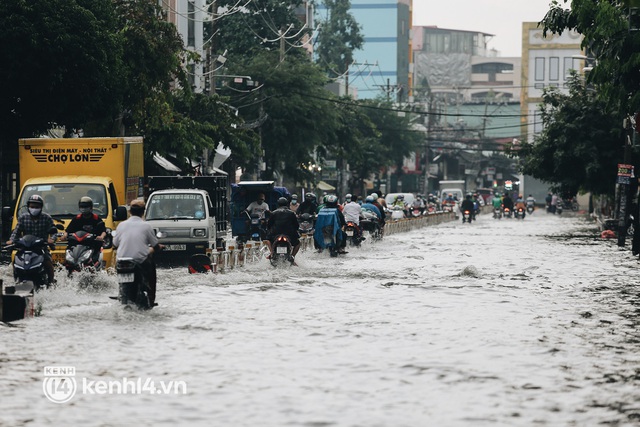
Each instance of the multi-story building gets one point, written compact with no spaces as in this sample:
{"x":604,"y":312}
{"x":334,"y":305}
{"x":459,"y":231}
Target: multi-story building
{"x":546,"y":62}
{"x":189,"y":17}
{"x":383,"y":65}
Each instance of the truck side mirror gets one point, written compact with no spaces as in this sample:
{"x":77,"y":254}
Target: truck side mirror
{"x":120,"y":213}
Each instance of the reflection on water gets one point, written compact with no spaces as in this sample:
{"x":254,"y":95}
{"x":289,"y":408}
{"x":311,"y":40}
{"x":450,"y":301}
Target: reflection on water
{"x":497,"y":323}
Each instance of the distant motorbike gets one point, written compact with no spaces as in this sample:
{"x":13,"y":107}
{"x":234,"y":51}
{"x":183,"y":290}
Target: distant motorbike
{"x":281,"y":251}
{"x":353,"y":233}
{"x":497,"y":213}
{"x":507,"y":212}
{"x":306,"y":224}
{"x":466,"y":216}
{"x":371,"y":224}
{"x":257,"y":228}
{"x":28,"y":263}
{"x":530,"y":208}
{"x":397,"y":213}
{"x":416,"y":212}
{"x":83,"y":252}
{"x":133,"y":286}
{"x":519,"y":213}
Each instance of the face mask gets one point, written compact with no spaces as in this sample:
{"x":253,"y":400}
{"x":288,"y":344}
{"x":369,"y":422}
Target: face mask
{"x":294,"y":202}
{"x":35,"y":211}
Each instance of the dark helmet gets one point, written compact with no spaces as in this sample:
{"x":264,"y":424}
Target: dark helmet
{"x":310,"y":196}
{"x":35,"y":199}
{"x":331,"y":199}
{"x":468,"y":196}
{"x":283,"y":201}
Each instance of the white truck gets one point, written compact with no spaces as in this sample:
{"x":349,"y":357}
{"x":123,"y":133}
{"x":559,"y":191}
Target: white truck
{"x":188,"y":214}
{"x":456,"y":188}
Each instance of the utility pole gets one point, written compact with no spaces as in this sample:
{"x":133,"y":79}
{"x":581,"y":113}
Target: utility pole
{"x":625,"y":174}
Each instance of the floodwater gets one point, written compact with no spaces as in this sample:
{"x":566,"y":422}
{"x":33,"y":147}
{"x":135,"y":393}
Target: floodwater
{"x":497,"y":323}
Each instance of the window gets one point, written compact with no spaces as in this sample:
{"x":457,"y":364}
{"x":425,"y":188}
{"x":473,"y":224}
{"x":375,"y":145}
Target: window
{"x":539,"y":70}
{"x":568,"y":66}
{"x":554,"y":68}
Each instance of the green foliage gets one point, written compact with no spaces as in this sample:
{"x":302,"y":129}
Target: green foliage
{"x":338,"y":37}
{"x":581,"y":143}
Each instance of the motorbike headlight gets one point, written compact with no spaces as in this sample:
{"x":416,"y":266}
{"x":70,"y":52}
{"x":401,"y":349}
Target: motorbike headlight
{"x":200,"y":232}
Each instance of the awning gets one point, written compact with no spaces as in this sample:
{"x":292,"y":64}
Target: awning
{"x":325,"y":186}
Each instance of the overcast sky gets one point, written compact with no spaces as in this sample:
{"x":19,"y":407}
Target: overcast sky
{"x":503,"y":18}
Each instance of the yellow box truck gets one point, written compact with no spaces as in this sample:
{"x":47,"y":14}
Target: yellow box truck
{"x":61,"y":170}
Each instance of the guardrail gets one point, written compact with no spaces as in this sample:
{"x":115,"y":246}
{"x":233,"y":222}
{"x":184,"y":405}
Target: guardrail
{"x":235,"y":256}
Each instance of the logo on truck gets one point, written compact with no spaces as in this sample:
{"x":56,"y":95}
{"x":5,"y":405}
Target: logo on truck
{"x":64,"y":155}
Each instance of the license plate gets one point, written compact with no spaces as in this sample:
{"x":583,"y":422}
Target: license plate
{"x":125,"y":277}
{"x":175,"y":247}
{"x":281,"y":250}
{"x":350,"y":233}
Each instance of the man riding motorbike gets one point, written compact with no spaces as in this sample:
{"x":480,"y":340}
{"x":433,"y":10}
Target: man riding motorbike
{"x":258,"y":207}
{"x":37,"y":223}
{"x":507,"y":202}
{"x":136,"y":239}
{"x":468,"y":205}
{"x":87,"y":221}
{"x":283,"y":221}
{"x":310,"y":205}
{"x":352,"y":213}
{"x":331,"y":215}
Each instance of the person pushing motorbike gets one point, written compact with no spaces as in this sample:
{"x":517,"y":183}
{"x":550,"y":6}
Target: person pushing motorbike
{"x":283,"y":221}
{"x":37,"y":223}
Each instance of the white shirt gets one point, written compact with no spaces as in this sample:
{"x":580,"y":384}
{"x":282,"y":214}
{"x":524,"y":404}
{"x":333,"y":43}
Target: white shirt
{"x":352,"y":212}
{"x":256,"y":208}
{"x":133,"y":239}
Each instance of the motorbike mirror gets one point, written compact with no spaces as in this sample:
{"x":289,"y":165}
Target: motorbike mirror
{"x":60,"y":227}
{"x":54,"y":230}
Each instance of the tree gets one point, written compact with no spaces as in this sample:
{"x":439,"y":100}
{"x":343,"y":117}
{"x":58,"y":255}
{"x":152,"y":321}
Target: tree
{"x":608,"y":39}
{"x":580,"y":144}
{"x":338,"y":37}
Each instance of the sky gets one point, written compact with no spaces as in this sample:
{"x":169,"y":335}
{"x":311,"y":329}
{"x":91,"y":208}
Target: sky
{"x":503,"y":18}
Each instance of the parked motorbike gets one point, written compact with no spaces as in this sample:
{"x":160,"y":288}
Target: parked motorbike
{"x":466,"y":216}
{"x":306,"y":224}
{"x":134,"y":289}
{"x":28,"y":263}
{"x":83,"y":252}
{"x":519,"y":213}
{"x":352,"y":231}
{"x":282,"y":249}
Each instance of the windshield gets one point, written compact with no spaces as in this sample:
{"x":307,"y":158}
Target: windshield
{"x":61,"y":200}
{"x":175,"y":206}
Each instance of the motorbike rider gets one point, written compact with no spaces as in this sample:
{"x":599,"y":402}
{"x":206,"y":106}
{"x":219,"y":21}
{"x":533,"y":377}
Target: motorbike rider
{"x":521,"y":204}
{"x":507,"y":202}
{"x":530,"y":201}
{"x":310,"y":205}
{"x":496,"y":201}
{"x":39,"y":224}
{"x":283,"y":221}
{"x":467,"y":205}
{"x":258,"y":207}
{"x":353,"y":212}
{"x":331,"y":215}
{"x":88,"y":221}
{"x":381,"y":209}
{"x":293,"y":205}
{"x":136,"y":239}
{"x":369,"y":203}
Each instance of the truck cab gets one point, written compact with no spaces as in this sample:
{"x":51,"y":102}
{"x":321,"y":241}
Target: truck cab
{"x":187,"y":214}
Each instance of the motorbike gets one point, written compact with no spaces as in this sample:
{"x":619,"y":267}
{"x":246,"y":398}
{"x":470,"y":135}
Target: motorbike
{"x":28,"y":263}
{"x":371,"y":224}
{"x":306,"y":224}
{"x":416,"y":212}
{"x":466,"y":216}
{"x":519,"y":213}
{"x":507,"y":212}
{"x":281,"y":251}
{"x":353,"y":233}
{"x":83,"y":252}
{"x":559,"y":208}
{"x":397,"y":213}
{"x":497,"y":213}
{"x":530,"y":208}
{"x":133,"y":286}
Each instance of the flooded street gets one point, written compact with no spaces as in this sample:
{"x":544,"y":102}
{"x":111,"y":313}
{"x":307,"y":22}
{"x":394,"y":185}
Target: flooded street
{"x":497,"y":323}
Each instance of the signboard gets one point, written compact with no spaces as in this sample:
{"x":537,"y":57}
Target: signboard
{"x":508,"y":185}
{"x":625,"y":173}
